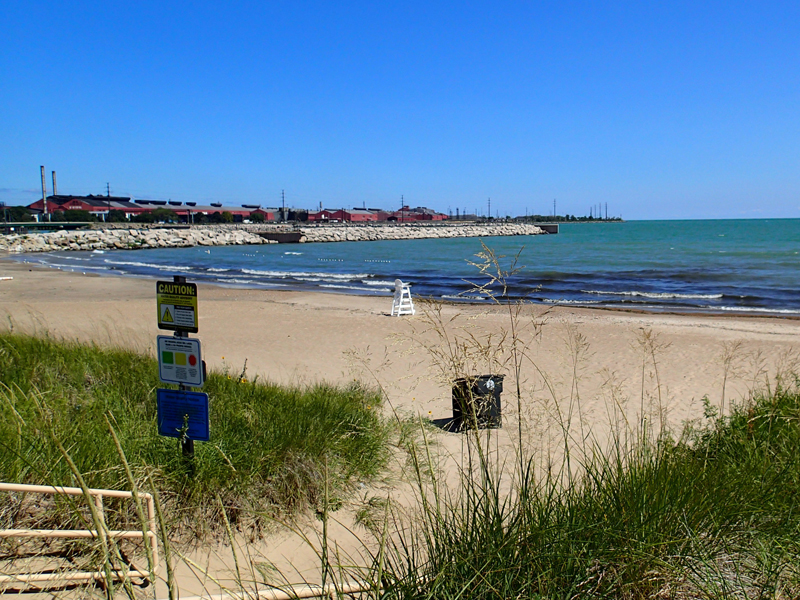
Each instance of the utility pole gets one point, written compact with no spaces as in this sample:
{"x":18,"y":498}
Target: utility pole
{"x":489,"y":214}
{"x":606,"y":211}
{"x":44,"y":192}
{"x":108,"y":201}
{"x":402,"y":206}
{"x":554,"y":209}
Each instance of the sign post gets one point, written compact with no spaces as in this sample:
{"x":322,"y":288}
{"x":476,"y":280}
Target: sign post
{"x":182,"y":413}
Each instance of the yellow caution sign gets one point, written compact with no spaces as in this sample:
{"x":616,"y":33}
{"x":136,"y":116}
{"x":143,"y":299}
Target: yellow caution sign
{"x":177,"y":306}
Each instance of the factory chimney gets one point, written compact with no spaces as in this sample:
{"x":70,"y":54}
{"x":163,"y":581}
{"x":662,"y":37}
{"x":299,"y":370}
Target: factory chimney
{"x":55,"y":189}
{"x":44,"y":190}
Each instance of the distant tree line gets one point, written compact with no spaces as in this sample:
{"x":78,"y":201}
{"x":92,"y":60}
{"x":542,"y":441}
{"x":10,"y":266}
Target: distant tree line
{"x":15,"y":214}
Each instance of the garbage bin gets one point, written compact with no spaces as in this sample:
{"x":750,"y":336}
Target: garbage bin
{"x":476,"y":401}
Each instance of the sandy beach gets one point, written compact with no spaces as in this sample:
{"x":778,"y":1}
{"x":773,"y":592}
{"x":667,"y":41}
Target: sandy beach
{"x":607,"y":364}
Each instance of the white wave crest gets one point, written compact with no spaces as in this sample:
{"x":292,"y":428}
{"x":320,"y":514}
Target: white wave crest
{"x":213,"y":270}
{"x":657,"y":295}
{"x":779,"y":311}
{"x":461,"y":297}
{"x":353,"y":287}
{"x":377,"y":282}
{"x":582,"y":302}
{"x":308,"y":276}
{"x":148,"y":265}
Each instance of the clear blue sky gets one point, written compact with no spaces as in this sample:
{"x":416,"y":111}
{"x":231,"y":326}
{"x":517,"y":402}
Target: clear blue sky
{"x":660,"y":109}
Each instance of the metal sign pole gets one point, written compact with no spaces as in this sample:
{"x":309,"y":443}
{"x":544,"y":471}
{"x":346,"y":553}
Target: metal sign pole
{"x":187,"y":444}
{"x":182,"y":413}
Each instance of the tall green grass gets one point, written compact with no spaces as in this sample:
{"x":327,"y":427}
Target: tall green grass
{"x":714,"y":514}
{"x":272,"y":448}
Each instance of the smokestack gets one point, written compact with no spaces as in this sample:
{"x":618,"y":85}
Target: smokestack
{"x":44,"y":190}
{"x":55,"y":192}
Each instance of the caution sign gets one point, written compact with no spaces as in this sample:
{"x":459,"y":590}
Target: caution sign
{"x":180,"y":361}
{"x":177,"y":306}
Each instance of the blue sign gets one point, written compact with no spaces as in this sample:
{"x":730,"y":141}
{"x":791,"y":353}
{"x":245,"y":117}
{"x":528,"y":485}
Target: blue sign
{"x":180,"y":411}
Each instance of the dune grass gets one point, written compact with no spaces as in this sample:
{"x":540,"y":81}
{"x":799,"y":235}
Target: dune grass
{"x":270,"y":447}
{"x":714,"y":514}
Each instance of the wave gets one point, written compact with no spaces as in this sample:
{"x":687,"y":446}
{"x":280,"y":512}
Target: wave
{"x":353,"y":287}
{"x":307,"y":275}
{"x":657,"y":295}
{"x":781,"y":311}
{"x":462,"y":297}
{"x":378,"y":282}
{"x":251,"y":283}
{"x":214,"y":270}
{"x":294,"y":253}
{"x":148,"y":265}
{"x":77,"y":267}
{"x":553,"y":301}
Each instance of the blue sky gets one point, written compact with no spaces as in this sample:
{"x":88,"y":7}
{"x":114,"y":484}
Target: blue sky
{"x":660,"y":109}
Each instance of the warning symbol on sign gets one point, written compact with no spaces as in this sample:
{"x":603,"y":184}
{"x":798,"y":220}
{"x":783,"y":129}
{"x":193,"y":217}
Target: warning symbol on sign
{"x":177,"y":306}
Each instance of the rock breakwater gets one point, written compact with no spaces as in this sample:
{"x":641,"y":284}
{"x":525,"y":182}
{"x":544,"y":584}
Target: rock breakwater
{"x":413,"y":231}
{"x":128,"y":239}
{"x":227,"y":235}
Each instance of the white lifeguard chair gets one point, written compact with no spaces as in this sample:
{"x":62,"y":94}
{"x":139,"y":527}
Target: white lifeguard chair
{"x":402,"y":303}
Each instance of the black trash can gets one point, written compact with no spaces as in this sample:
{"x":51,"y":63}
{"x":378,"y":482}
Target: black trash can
{"x":476,"y":401}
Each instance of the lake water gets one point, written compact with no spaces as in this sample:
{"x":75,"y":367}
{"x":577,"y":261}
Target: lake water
{"x":717,"y":266}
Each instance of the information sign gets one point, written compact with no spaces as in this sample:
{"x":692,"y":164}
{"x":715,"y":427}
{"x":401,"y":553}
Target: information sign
{"x":180,"y":411}
{"x":180,"y":361}
{"x":177,"y":306}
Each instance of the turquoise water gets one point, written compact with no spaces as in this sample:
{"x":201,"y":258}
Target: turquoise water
{"x":718,"y":266}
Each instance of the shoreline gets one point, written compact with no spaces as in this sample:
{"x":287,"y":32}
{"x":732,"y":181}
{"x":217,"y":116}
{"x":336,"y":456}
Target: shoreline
{"x":12,"y":258}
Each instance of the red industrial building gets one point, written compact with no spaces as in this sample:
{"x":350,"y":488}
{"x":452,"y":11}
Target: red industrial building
{"x":364,"y":215}
{"x":99,"y":206}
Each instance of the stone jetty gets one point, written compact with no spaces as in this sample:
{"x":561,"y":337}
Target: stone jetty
{"x":413,"y":231}
{"x":132,"y":238}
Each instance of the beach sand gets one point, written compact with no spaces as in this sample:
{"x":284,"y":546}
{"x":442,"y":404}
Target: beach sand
{"x":607,"y":364}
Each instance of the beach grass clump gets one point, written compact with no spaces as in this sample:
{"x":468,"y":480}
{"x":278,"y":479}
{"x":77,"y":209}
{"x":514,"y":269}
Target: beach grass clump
{"x":273,"y":449}
{"x":713,"y":514}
